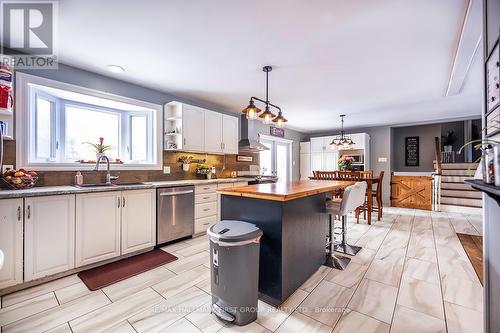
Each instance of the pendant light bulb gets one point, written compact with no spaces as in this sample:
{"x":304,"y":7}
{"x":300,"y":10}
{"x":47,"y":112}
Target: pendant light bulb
{"x":251,"y":114}
{"x":266,"y":119}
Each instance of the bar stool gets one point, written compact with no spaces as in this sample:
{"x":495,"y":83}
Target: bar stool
{"x":352,"y":198}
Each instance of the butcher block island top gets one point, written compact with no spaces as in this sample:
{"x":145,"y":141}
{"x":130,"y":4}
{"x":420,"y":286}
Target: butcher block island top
{"x":285,"y":191}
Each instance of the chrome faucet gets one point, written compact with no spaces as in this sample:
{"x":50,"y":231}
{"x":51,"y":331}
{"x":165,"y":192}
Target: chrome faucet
{"x":109,"y":178}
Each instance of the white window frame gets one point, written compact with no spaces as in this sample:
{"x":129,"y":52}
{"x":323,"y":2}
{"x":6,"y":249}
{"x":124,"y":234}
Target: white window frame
{"x":24,"y":125}
{"x":274,"y":140}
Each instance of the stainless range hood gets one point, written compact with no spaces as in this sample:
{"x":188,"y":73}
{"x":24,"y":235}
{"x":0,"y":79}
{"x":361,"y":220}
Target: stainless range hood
{"x":247,"y":144}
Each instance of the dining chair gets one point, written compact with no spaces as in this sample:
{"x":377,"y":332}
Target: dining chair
{"x":377,"y":197}
{"x":325,"y":175}
{"x":353,"y":197}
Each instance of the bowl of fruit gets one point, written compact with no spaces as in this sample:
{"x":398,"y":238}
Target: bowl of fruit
{"x":19,"y":179}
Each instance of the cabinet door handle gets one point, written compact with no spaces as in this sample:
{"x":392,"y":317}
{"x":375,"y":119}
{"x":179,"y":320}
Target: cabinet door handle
{"x":119,"y":202}
{"x":206,"y":209}
{"x":29,"y":211}
{"x":184,"y":141}
{"x":206,"y":198}
{"x":19,"y":213}
{"x":123,"y":201}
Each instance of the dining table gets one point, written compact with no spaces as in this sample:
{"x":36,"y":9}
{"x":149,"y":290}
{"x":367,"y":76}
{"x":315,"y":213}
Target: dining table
{"x":370,"y":181}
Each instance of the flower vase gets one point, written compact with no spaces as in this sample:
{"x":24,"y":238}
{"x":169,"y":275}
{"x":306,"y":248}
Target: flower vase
{"x":185,"y":166}
{"x":98,"y":156}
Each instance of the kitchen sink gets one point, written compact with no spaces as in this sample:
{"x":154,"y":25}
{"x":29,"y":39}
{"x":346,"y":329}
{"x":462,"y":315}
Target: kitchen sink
{"x":95,"y":185}
{"x":109,"y":185}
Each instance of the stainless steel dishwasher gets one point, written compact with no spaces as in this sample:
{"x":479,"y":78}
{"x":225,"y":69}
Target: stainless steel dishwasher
{"x":175,"y":213}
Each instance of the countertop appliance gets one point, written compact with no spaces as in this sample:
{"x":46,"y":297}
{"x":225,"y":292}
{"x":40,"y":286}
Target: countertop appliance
{"x":175,"y":213}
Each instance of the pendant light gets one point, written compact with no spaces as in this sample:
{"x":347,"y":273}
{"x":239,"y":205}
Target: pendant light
{"x":267,"y":117}
{"x":279,"y":121}
{"x":342,"y":141}
{"x":251,"y":111}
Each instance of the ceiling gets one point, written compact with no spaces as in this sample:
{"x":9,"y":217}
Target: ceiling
{"x":379,"y":62}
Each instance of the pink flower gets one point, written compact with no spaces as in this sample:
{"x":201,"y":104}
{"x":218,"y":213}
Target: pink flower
{"x":101,"y":140}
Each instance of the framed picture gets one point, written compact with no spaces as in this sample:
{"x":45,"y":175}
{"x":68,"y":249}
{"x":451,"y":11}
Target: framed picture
{"x":492,"y":70}
{"x":275,"y":131}
{"x":492,"y":122}
{"x":412,"y":151}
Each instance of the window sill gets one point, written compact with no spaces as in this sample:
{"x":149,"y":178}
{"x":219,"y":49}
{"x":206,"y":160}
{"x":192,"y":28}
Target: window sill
{"x":90,"y":167}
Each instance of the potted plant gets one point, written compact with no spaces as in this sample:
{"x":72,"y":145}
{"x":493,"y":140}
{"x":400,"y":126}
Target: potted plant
{"x":204,"y":169}
{"x":100,"y":148}
{"x":345,"y":163}
{"x":185,"y":160}
{"x":448,"y":140}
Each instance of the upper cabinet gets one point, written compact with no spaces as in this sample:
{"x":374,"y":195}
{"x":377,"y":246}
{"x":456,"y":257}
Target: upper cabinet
{"x":190,"y":128}
{"x":213,"y":132}
{"x":230,"y":134}
{"x":193,"y":128}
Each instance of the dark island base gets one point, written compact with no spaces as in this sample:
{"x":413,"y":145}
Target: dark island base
{"x":293,"y":244}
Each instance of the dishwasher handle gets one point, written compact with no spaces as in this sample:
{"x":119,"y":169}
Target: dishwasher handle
{"x":170,"y":194}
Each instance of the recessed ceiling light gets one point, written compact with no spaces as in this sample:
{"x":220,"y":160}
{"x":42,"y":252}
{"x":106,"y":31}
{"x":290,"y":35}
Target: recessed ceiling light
{"x":115,"y":68}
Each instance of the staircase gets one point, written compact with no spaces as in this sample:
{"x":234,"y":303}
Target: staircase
{"x":456,"y":196}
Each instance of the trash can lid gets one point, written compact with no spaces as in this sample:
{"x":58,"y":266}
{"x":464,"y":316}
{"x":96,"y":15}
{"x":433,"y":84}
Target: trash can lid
{"x":234,"y":231}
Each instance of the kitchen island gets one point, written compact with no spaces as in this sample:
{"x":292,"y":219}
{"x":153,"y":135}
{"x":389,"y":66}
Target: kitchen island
{"x":294,"y":221}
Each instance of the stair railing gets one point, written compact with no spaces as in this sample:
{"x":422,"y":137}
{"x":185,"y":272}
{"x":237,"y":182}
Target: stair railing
{"x":436,"y":177}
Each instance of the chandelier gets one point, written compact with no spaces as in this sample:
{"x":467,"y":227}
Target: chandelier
{"x":342,"y":141}
{"x":267,"y":117}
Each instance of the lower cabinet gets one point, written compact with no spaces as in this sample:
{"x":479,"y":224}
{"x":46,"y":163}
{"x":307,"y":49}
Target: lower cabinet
{"x":11,"y":241}
{"x":97,"y":227}
{"x":49,"y":235}
{"x":138,"y":220}
{"x":109,"y":224}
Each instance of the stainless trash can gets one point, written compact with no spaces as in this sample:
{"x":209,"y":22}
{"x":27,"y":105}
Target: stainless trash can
{"x":234,"y":258}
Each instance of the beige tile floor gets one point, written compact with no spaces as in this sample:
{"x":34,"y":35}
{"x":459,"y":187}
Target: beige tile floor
{"x":411,"y":276}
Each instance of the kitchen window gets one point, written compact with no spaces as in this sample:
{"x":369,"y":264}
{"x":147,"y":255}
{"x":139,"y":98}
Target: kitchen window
{"x":61,"y":122}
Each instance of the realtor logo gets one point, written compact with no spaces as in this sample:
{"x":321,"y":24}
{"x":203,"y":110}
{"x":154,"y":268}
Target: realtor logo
{"x":28,"y":32}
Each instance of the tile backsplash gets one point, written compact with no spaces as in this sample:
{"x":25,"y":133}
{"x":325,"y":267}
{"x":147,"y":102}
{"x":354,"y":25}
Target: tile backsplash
{"x":53,"y":178}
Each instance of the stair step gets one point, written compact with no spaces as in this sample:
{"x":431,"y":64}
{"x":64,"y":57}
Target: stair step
{"x":457,"y":172}
{"x":455,"y":179}
{"x":461,"y":193}
{"x":461,"y":209}
{"x":459,"y":166}
{"x":455,"y":186}
{"x":469,"y":202}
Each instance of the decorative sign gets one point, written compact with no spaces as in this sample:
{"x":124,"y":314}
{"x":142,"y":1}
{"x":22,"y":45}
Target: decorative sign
{"x":279,"y":132}
{"x":412,"y":151}
{"x":241,"y":158}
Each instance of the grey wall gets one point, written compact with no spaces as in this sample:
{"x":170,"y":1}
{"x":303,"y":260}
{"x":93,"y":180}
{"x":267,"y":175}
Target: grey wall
{"x":256,"y":127}
{"x":427,"y":133}
{"x":380,"y":146}
{"x":103,"y":83}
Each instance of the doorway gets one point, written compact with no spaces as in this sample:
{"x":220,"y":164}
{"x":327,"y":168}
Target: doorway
{"x":277,"y":161}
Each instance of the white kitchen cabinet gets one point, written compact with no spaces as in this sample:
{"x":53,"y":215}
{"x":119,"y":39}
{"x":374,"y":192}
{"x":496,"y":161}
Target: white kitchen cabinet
{"x":49,"y":235}
{"x":330,"y":161}
{"x":230,"y":134}
{"x":316,"y":162}
{"x":213,"y":132}
{"x":305,"y":147}
{"x":220,"y":186}
{"x":97,"y":227}
{"x":305,"y":166}
{"x":193,"y":128}
{"x":317,"y":145}
{"x":138,"y":220}
{"x":11,"y":241}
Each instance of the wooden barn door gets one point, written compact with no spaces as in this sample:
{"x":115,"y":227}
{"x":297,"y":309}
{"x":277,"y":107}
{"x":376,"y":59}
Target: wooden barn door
{"x":411,"y":192}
